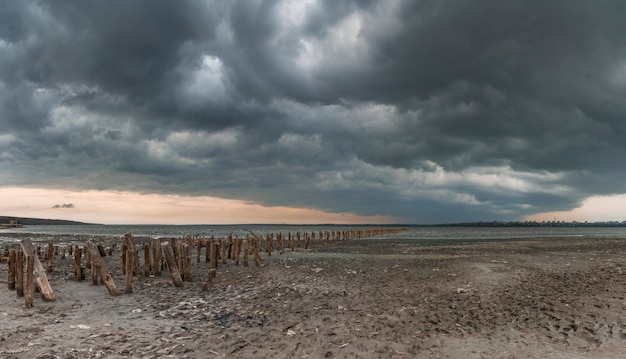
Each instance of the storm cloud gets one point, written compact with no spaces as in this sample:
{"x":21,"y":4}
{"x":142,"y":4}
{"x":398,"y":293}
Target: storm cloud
{"x":427,"y":111}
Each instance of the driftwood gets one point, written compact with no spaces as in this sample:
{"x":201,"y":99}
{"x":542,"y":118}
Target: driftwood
{"x":39,"y":274}
{"x":171,"y":263}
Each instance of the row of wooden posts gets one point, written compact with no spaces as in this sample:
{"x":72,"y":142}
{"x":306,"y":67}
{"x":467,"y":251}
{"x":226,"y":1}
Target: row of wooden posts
{"x":158,"y":254}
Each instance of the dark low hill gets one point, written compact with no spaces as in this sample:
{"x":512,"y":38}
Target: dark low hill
{"x":38,"y":221}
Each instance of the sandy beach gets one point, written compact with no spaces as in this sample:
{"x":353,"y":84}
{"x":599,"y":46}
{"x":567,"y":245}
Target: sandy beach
{"x":367,"y":298}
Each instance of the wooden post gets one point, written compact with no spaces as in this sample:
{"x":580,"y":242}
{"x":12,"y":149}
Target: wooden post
{"x":198,"y":249}
{"x":213,"y":249}
{"x":207,"y":253}
{"x":230,"y":246}
{"x":30,"y":286}
{"x":157,"y":257}
{"x":268,"y":245}
{"x":130,"y":242}
{"x":223,"y":250}
{"x":128,"y":268}
{"x":11,"y":269}
{"x":171,"y":263}
{"x":147,"y":261}
{"x":237,"y":250}
{"x":78,"y":270}
{"x":187,"y":260}
{"x":124,"y":256}
{"x":62,"y":253}
{"x":245,"y":252}
{"x":19,"y":273}
{"x":101,"y":269}
{"x":39,"y":274}
{"x":101,"y":250}
{"x":257,"y":257}
{"x":49,"y":255}
{"x":93,"y":265}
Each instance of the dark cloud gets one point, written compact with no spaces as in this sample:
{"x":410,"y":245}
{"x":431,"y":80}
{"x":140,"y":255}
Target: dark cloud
{"x":429,"y":111}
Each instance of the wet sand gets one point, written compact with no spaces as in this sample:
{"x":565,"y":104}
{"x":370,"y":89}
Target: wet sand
{"x":368,"y":298}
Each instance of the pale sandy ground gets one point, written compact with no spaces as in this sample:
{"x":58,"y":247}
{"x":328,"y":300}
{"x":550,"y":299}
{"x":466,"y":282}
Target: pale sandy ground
{"x":372,"y":298}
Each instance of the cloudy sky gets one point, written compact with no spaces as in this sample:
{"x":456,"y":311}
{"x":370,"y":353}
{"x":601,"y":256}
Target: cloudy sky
{"x":418,"y":111}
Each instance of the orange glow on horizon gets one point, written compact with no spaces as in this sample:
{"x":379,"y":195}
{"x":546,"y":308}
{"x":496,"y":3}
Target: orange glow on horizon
{"x":121,"y":207}
{"x":593,"y":209}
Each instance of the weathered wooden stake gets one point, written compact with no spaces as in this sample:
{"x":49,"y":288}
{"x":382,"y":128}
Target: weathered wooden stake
{"x":78,"y":270}
{"x":101,"y":250}
{"x":49,"y":255}
{"x":19,"y":273}
{"x":223,"y":250}
{"x":237,"y":250}
{"x":130,"y":242}
{"x":39,"y":274}
{"x":157,"y":257}
{"x":30,"y":285}
{"x":198,"y":250}
{"x":11,"y":269}
{"x":93,"y":266}
{"x":147,"y":261}
{"x":245,"y":252}
{"x":187,"y":261}
{"x":257,"y":257}
{"x":128,"y":262}
{"x":213,"y":250}
{"x":171,"y":263}
{"x":101,"y":269}
{"x":124,"y":256}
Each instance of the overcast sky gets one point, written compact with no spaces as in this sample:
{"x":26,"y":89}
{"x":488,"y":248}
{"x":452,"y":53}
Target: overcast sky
{"x":409,"y":111}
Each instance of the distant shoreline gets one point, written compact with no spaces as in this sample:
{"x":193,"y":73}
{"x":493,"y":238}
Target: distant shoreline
{"x":5,"y":222}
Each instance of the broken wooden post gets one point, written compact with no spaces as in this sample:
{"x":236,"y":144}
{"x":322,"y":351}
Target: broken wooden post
{"x":268,"y":245}
{"x":230,"y":246}
{"x":101,"y":250}
{"x":186,"y":269}
{"x":130,"y":242}
{"x":147,"y":261}
{"x":124,"y":255}
{"x":49,"y":255}
{"x":257,"y":257}
{"x":30,"y":286}
{"x":93,"y":272}
{"x":19,"y":273}
{"x":213,"y":250}
{"x":198,"y":249}
{"x":127,"y":264}
{"x":11,"y":269}
{"x":101,"y":269}
{"x":78,"y":269}
{"x":157,"y":256}
{"x":171,"y":263}
{"x":41,"y":280}
{"x":223,"y":250}
{"x":237,"y":250}
{"x":245,"y":252}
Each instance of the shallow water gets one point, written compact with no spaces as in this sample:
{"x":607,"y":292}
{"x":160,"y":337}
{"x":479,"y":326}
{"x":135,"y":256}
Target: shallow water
{"x":411,"y":236}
